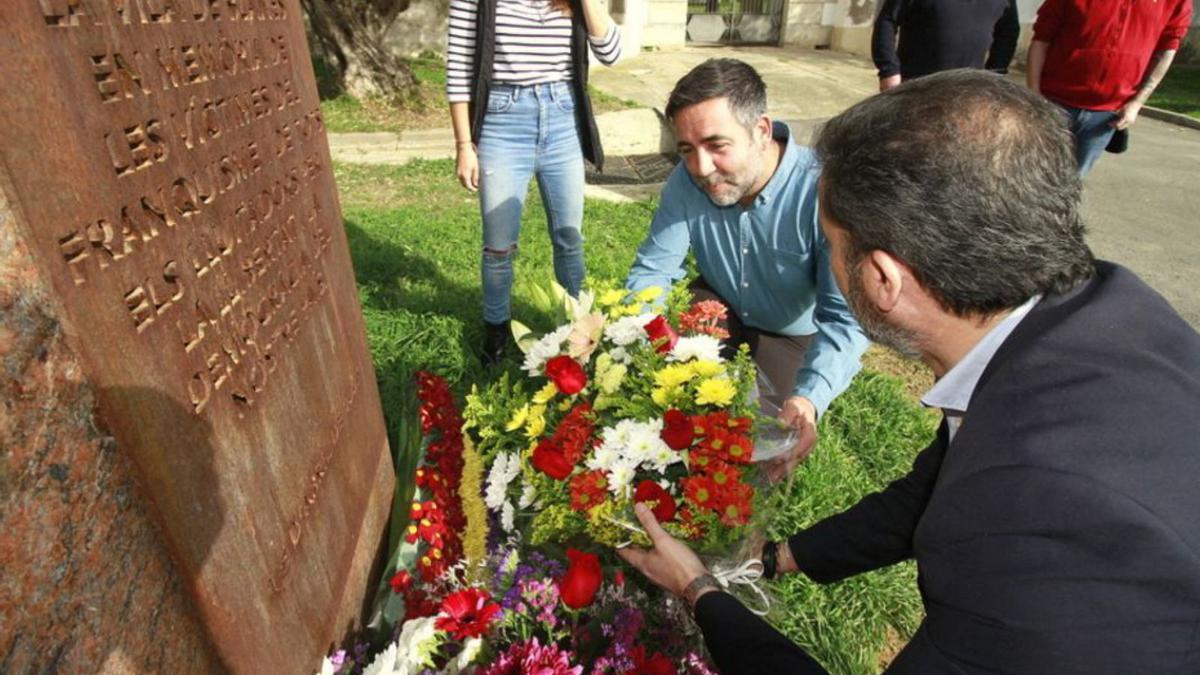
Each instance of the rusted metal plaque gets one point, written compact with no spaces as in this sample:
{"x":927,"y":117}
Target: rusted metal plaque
{"x":167,"y":167}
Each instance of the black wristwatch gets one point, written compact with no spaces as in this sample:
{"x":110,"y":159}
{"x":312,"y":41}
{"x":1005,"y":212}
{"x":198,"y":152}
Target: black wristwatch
{"x":770,"y":559}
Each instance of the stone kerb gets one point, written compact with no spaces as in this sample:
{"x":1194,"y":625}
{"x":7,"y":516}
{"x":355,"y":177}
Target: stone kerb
{"x":212,"y":428}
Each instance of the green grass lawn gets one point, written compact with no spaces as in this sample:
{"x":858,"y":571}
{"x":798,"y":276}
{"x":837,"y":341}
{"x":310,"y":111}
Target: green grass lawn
{"x":424,"y":109}
{"x":1179,"y":91}
{"x":414,"y":237}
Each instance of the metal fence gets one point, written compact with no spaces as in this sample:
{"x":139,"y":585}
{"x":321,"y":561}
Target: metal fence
{"x":743,"y":22}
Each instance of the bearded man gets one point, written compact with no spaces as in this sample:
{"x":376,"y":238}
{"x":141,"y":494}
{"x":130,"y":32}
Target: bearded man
{"x":743,"y":200}
{"x":1053,"y":517}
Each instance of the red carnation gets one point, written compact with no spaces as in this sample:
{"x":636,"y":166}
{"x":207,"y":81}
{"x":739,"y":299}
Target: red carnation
{"x":664,"y":503}
{"x":578,"y":586}
{"x":661,"y":334}
{"x":567,"y":374}
{"x":401,"y":581}
{"x":549,"y":458}
{"x":467,"y":613}
{"x":678,"y":431}
{"x":654,"y":664}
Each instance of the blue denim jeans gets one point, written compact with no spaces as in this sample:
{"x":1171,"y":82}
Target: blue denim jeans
{"x":529,"y":131}
{"x":1092,"y":133}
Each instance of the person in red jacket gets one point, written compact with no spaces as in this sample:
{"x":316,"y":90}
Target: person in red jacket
{"x":1101,"y":60}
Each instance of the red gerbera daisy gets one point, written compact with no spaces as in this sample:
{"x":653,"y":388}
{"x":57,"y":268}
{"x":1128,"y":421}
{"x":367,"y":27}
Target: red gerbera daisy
{"x":588,"y":489}
{"x":467,"y":613}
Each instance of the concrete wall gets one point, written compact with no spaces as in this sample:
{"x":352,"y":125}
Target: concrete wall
{"x":805,"y":25}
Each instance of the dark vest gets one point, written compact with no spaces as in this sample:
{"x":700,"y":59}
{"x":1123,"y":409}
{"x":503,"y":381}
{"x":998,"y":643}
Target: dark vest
{"x":485,"y":52}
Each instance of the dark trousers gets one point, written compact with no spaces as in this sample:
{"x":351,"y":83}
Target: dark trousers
{"x":778,"y":357}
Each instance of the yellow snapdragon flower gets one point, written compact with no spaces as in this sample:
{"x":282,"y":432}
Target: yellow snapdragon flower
{"x":648,"y":294}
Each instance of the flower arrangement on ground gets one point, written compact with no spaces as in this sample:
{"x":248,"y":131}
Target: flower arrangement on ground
{"x":629,"y":400}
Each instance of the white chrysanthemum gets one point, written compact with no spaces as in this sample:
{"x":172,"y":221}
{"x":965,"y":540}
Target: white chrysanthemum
{"x":628,"y":330}
{"x":664,"y":456}
{"x":507,"y":515}
{"x":619,"y":355}
{"x":645,"y":441}
{"x":620,"y":478}
{"x":546,"y":348}
{"x":698,"y":347}
{"x":415,"y":648}
{"x":603,"y":457}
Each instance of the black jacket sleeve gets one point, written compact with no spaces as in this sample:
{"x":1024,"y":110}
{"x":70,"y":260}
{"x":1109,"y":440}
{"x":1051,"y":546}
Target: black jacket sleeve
{"x":875,"y":532}
{"x":1004,"y":39}
{"x":742,"y":643}
{"x":883,"y":37}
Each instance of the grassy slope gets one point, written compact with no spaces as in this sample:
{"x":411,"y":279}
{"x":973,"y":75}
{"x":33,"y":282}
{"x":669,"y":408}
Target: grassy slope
{"x":1179,"y":91}
{"x":414,"y":237}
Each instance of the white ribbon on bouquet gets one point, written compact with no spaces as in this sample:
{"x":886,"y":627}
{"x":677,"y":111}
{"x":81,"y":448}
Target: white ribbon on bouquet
{"x":747,"y":574}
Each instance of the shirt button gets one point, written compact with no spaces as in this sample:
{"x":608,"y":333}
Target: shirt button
{"x":745,"y":284}
{"x":746,"y":251}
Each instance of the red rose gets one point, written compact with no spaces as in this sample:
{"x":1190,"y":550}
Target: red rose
{"x":578,"y":586}
{"x":550,"y":460}
{"x":567,"y":374}
{"x":678,"y":430}
{"x":467,"y":613}
{"x":649,"y":491}
{"x":661,"y":334}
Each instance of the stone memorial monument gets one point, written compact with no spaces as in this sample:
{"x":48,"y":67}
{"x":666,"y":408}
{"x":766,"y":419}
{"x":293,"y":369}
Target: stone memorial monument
{"x":194,"y":471}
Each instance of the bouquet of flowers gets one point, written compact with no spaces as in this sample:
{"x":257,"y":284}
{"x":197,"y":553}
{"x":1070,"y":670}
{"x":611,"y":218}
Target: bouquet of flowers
{"x":624,"y":402}
{"x":459,"y":604}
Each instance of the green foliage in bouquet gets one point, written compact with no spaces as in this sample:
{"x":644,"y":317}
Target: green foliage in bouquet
{"x":632,"y":398}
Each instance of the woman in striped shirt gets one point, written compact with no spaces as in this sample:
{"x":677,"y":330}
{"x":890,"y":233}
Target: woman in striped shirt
{"x":516,"y":78}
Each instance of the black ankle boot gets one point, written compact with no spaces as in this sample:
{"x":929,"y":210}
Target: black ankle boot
{"x":496,"y":340}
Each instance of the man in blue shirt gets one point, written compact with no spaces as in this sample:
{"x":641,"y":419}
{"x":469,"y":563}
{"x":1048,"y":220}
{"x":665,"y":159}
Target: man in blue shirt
{"x":744,"y":201}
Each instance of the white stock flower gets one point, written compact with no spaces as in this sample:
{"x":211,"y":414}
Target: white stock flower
{"x":698,"y":347}
{"x":505,"y":468}
{"x":471,"y":649}
{"x":628,"y":330}
{"x":619,"y":355}
{"x":528,"y":494}
{"x":546,"y":348}
{"x":507,"y":515}
{"x":385,"y":661}
{"x":414,"y":649}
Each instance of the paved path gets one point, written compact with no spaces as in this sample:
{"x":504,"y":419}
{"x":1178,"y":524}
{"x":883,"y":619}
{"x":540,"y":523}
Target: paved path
{"x":1142,"y":208}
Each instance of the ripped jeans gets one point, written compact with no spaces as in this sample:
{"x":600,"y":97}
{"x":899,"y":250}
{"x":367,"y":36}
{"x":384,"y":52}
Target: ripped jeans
{"x":529,"y":131}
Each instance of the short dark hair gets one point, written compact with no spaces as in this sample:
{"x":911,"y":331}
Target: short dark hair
{"x":968,"y":178}
{"x":722,"y":78}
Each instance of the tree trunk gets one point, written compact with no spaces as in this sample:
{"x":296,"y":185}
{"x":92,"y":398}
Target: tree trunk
{"x":350,"y":33}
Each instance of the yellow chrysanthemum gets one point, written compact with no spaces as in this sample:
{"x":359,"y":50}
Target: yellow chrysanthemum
{"x":715,"y":391}
{"x":673,"y":375}
{"x":632,"y":309}
{"x":706,"y":368}
{"x":610,"y":298}
{"x":565,"y":405}
{"x":544,"y":394}
{"x":648,"y":294}
{"x":662,"y":395}
{"x":536,"y":424}
{"x":518,"y":419}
